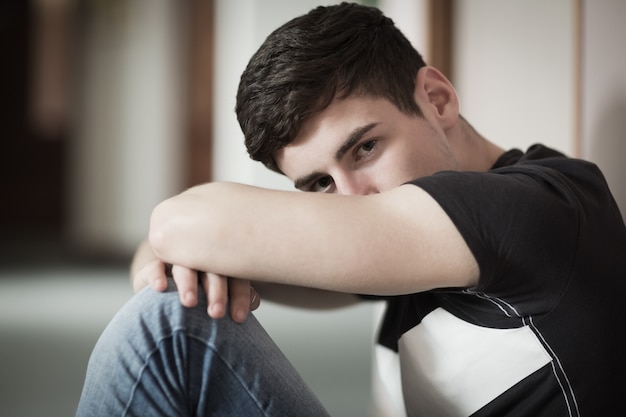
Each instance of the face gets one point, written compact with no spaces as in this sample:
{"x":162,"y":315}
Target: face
{"x":361,"y":145}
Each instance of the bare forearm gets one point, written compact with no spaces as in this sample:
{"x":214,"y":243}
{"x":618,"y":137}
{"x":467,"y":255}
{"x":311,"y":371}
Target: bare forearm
{"x":397,"y":242}
{"x":251,"y":233}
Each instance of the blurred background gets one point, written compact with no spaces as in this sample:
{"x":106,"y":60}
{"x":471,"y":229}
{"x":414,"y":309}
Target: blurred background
{"x":110,"y":106}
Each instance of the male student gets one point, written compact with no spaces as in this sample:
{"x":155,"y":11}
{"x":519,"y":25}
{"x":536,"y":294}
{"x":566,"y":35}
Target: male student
{"x":503,"y":271}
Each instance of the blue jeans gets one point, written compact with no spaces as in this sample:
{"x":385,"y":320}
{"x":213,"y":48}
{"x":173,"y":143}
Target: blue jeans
{"x":158,"y":358}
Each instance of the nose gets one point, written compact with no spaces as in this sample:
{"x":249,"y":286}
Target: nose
{"x":356,"y":184}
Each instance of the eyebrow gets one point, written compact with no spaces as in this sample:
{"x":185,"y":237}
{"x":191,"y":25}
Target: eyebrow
{"x":352,"y":139}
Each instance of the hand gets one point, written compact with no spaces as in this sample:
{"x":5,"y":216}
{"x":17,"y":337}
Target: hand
{"x":218,"y":289}
{"x":221,"y":291}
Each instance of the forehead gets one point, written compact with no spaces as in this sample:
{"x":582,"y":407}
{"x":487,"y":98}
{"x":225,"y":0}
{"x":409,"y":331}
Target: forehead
{"x":322,"y":134}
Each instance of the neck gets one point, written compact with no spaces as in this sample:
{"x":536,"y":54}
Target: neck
{"x":476,"y":152}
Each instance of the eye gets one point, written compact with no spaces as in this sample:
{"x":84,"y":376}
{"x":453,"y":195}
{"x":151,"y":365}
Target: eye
{"x":322,"y":184}
{"x":365,"y":149}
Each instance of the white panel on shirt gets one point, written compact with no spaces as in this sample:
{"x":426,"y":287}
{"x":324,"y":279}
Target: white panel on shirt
{"x":388,"y":370}
{"x":450,"y":367}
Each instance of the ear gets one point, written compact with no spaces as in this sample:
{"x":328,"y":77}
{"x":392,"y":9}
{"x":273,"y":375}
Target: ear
{"x":433,"y":90}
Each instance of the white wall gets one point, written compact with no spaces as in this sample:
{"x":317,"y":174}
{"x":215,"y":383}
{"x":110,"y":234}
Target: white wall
{"x":411,"y":17}
{"x":514,"y":70}
{"x":603,"y":115}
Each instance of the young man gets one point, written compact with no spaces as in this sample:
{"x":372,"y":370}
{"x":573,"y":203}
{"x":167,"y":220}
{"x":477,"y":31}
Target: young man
{"x":503,"y":271}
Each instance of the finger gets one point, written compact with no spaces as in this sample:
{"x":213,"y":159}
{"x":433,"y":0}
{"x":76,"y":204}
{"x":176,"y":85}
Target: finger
{"x":217,"y":295}
{"x":255,"y":299}
{"x":187,"y":283}
{"x":158,"y":275}
{"x":239,"y":292}
{"x":153,"y":274}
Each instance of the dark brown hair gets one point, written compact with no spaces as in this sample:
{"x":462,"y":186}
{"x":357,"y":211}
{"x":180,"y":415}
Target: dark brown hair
{"x":302,"y":66}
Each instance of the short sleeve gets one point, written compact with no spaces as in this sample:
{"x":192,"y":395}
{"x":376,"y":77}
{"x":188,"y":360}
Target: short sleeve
{"x":521,"y":223}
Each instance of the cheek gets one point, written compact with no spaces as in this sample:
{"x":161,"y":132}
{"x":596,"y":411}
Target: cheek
{"x":412,"y":163}
{"x":425,"y":160}
{"x":396,"y":168}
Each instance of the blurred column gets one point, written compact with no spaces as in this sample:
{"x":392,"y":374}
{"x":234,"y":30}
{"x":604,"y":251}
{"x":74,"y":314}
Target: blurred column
{"x":128,"y":148}
{"x":52,"y":53}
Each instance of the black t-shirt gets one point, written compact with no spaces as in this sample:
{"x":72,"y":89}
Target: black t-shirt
{"x":543,"y":331}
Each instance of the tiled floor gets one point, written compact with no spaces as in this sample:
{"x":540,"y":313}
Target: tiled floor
{"x":50,"y":317}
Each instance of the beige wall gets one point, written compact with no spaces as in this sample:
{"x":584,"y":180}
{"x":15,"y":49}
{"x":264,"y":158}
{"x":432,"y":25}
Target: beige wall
{"x":518,"y":73}
{"x":603,"y":78}
{"x":514,"y":70}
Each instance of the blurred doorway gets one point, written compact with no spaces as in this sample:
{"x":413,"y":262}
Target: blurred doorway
{"x":32,"y":173}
